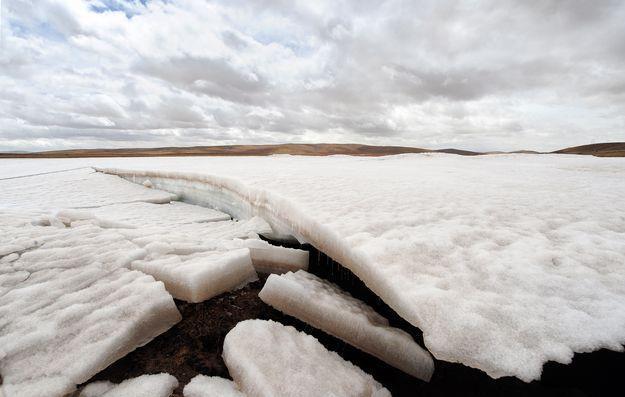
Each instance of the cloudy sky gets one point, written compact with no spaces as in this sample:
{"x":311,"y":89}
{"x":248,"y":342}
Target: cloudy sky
{"x":481,"y":75}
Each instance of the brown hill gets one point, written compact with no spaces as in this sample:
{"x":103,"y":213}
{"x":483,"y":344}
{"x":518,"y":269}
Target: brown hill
{"x":614,"y":149}
{"x":323,"y":149}
{"x":611,"y":149}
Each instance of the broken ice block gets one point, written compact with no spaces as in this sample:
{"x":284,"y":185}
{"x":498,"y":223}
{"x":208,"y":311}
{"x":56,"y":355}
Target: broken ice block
{"x":327,"y":307}
{"x":159,"y":385}
{"x":266,"y":358}
{"x":269,"y":258}
{"x":211,"y":386}
{"x":199,"y":276}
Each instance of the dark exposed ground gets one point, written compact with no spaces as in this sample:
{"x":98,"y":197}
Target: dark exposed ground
{"x":194,"y":347}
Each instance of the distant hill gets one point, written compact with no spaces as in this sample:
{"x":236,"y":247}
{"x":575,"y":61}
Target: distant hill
{"x":323,"y":149}
{"x":611,"y":149}
{"x":616,"y":149}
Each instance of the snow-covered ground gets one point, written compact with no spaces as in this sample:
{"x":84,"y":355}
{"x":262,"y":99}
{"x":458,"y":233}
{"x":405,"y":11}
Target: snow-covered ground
{"x":504,"y":261}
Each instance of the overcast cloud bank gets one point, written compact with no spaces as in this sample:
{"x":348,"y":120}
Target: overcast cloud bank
{"x":478,"y":75}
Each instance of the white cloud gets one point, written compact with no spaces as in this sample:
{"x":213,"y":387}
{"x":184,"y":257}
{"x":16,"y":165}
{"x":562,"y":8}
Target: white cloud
{"x":479,"y":75}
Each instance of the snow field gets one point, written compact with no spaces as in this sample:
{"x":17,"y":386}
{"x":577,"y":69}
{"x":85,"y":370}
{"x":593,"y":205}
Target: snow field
{"x":211,"y":386}
{"x":266,"y":358}
{"x":326,"y":307}
{"x":158,"y":385}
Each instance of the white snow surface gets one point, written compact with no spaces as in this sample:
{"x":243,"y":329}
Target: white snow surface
{"x":268,"y":359}
{"x":503,"y":261}
{"x":211,"y":386}
{"x":325,"y":306}
{"x":158,"y":385}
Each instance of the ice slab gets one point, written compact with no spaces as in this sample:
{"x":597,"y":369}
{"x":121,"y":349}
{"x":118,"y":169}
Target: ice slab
{"x":266,"y":358}
{"x":158,"y":385}
{"x":69,"y":307}
{"x":504,"y":261}
{"x":211,"y":386}
{"x":96,"y":389}
{"x":269,"y":258}
{"x":325,"y":306}
{"x":80,"y":188}
{"x":199,"y":276}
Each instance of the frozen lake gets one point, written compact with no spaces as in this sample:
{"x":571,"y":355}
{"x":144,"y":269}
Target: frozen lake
{"x":504,"y":261}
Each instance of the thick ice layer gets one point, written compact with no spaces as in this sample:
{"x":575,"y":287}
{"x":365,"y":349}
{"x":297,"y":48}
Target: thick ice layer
{"x":325,"y":306}
{"x":211,"y":386}
{"x":69,"y":307}
{"x":159,"y":385}
{"x":504,"y":262}
{"x":266,"y":358}
{"x":199,"y":276}
{"x":73,"y":189}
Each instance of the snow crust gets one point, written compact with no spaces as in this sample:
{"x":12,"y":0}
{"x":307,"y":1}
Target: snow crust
{"x":211,"y":386}
{"x":266,"y":358}
{"x":325,"y":306}
{"x":158,"y":385}
{"x":504,"y":261}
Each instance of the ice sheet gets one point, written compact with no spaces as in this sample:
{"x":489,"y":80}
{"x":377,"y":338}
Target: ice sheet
{"x":69,"y":307}
{"x":503,"y":261}
{"x":211,"y":386}
{"x":266,"y":358}
{"x":327,"y":307}
{"x":158,"y":385}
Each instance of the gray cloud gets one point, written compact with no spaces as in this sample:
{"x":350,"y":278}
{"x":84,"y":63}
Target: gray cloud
{"x":480,"y":75}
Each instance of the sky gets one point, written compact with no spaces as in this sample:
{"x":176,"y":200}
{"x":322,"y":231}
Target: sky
{"x":477,"y":75}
